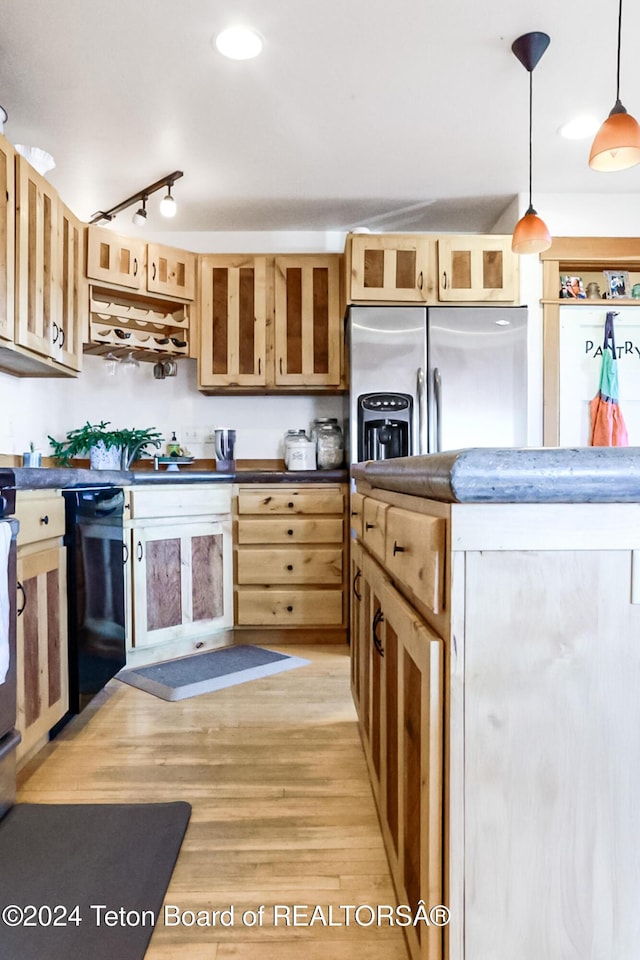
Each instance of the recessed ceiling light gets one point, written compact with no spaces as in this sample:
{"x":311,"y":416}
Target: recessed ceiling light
{"x":579,"y":128}
{"x":239,"y":43}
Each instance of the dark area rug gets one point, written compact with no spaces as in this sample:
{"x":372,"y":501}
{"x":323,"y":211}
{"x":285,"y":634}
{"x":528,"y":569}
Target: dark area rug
{"x":63,"y":867}
{"x":204,"y":672}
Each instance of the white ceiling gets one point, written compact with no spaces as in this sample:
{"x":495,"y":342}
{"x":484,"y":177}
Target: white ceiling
{"x":392,"y":114}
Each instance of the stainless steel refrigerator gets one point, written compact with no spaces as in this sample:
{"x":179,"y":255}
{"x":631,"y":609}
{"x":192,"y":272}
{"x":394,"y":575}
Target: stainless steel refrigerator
{"x":428,"y":379}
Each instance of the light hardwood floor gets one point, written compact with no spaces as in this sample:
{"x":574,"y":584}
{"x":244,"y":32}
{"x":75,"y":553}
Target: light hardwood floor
{"x":282,"y":808}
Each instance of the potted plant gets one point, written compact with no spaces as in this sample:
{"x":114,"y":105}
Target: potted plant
{"x":107,"y":449}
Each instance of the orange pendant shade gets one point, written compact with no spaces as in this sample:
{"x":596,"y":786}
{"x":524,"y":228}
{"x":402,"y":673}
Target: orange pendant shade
{"x":617,"y":143}
{"x":531,"y":234}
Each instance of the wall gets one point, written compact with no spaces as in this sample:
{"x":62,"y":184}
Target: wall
{"x":33,"y":409}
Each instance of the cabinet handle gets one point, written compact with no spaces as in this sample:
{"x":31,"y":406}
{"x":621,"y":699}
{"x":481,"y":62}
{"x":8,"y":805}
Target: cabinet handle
{"x":153,"y":271}
{"x":139,"y":551}
{"x":397,"y":549}
{"x":289,"y":566}
{"x":378,"y":618}
{"x":444,"y":280}
{"x":280,"y":364}
{"x":125,"y":553}
{"x":62,"y":337}
{"x":357,"y":595}
{"x":289,"y":609}
{"x":290,"y":533}
{"x":420,"y":280}
{"x":45,"y":519}
{"x":290,"y":505}
{"x":135,"y":266}
{"x":24,"y":601}
{"x":369,"y":526}
{"x":259,"y":365}
{"x":56,"y":332}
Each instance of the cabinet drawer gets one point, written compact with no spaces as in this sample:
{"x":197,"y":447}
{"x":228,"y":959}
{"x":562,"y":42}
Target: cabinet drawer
{"x":41,"y":517}
{"x":289,"y":608}
{"x":290,"y":502}
{"x":357,"y":510}
{"x":312,"y":565}
{"x":374,"y":526}
{"x":289,"y":530}
{"x":415,"y":546}
{"x":179,"y":501}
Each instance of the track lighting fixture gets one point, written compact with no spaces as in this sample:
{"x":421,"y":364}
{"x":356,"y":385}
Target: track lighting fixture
{"x":140,"y":216}
{"x":531,"y":234}
{"x":617,"y":142}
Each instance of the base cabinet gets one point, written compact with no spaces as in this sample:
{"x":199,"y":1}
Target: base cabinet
{"x":290,"y":557}
{"x":178,"y":569}
{"x":41,"y":624}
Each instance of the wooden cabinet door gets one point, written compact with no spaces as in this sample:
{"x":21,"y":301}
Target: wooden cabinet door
{"x":171,"y":272}
{"x":372,"y":667}
{"x":308,"y":321}
{"x":478,"y":268}
{"x":393,"y":267}
{"x":37,"y":262}
{"x":115,"y":258}
{"x":233,"y":322}
{"x":356,"y":624}
{"x":42,"y":694}
{"x":411,"y":806}
{"x":181,"y":580}
{"x":7,"y":238}
{"x":67,"y":340}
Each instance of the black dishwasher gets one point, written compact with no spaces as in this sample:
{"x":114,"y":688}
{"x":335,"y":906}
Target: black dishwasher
{"x":95,"y":590}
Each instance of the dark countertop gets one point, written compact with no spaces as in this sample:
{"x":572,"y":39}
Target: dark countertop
{"x":513,"y":475}
{"x":41,"y":478}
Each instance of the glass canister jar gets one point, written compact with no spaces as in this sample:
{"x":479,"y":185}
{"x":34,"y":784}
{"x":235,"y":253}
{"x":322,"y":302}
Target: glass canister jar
{"x":329,"y":443}
{"x":299,"y":451}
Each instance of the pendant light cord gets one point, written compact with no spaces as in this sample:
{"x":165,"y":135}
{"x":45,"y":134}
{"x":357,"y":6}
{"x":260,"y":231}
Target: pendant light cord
{"x":530,"y":136}
{"x":619,"y":42}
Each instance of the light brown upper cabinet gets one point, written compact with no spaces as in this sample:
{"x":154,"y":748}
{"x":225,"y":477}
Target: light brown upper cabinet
{"x":171,"y":272}
{"x":392,"y":267}
{"x":430,"y":268}
{"x":270,"y":323}
{"x":308,"y":320}
{"x":477,"y":268}
{"x":233,"y":320}
{"x":67,"y":339}
{"x":115,"y":258}
{"x":129,"y":262}
{"x":7,"y":228}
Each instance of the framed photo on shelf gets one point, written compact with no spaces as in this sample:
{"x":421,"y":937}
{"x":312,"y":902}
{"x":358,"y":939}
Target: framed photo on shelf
{"x":617,"y":283}
{"x":571,"y":288}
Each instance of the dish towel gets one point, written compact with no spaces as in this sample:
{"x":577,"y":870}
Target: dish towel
{"x":5,"y":544}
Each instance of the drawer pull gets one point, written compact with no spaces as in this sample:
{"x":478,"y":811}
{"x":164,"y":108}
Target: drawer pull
{"x":289,"y":566}
{"x":289,"y":609}
{"x":397,"y":549}
{"x":290,"y":533}
{"x":378,"y":618}
{"x":24,"y":598}
{"x":354,"y":513}
{"x":369,"y":526}
{"x":125,"y":553}
{"x":139,"y":552}
{"x":290,"y":505}
{"x":44,"y":519}
{"x":357,"y":595}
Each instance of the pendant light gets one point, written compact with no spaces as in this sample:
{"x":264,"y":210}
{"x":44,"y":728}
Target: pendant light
{"x":617,"y":142}
{"x":531,"y":234}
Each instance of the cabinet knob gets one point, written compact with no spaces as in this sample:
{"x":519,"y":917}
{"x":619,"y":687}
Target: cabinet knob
{"x":289,"y":566}
{"x":369,"y":526}
{"x":290,"y":533}
{"x":397,"y":548}
{"x":44,"y":519}
{"x":290,"y":505}
{"x":289,"y":609}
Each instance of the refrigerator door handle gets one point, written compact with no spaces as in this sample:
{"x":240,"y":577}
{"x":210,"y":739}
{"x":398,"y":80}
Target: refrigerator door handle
{"x":422,"y":411}
{"x":437,"y":396}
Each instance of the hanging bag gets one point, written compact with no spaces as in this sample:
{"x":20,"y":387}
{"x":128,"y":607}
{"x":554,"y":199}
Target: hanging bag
{"x":608,"y":428}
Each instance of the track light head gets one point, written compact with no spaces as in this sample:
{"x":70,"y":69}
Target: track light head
{"x":140,"y":216}
{"x":168,"y":204}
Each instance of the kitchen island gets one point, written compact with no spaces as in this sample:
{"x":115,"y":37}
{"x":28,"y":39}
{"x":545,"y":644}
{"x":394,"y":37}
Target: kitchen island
{"x":495,"y":617}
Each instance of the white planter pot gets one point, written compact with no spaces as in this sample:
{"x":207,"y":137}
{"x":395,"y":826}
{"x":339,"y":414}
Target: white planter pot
{"x":103,"y":458}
